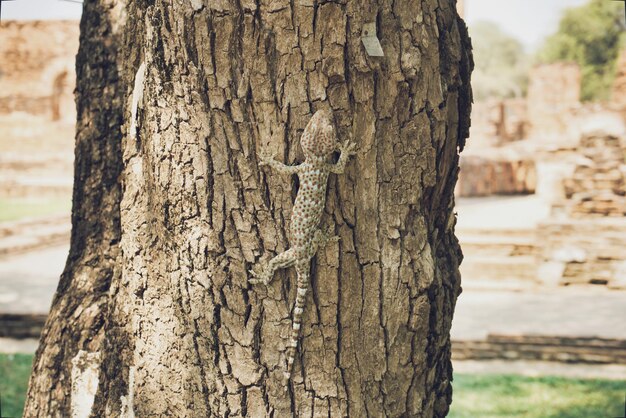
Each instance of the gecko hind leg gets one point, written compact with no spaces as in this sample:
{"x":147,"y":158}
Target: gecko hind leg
{"x":321,"y":239}
{"x":281,"y":261}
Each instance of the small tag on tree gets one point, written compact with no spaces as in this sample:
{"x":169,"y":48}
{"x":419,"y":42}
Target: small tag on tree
{"x":371,"y":41}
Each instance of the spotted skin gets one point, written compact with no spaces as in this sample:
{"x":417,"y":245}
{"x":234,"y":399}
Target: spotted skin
{"x":305,"y":236}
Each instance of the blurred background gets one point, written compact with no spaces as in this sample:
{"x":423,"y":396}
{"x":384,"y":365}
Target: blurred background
{"x":540,"y":328}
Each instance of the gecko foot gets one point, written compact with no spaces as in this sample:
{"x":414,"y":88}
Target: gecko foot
{"x":265,"y":157}
{"x":258,"y":278}
{"x":328,"y":237}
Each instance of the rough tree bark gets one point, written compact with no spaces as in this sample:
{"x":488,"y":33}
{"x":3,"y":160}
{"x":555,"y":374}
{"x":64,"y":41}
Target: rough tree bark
{"x":154,"y":316}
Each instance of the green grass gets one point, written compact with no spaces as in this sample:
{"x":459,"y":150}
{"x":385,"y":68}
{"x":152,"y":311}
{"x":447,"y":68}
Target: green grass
{"x":475,"y":396}
{"x":511,"y":396}
{"x":15,"y":209}
{"x":14,"y":372}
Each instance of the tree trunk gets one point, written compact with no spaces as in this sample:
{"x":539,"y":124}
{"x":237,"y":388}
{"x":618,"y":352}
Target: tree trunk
{"x":154,"y":316}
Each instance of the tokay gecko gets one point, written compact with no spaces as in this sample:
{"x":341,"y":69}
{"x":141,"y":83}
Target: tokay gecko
{"x":318,"y":142}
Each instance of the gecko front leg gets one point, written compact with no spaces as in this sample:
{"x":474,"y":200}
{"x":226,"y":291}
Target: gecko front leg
{"x":267,"y":158}
{"x":347,"y":150}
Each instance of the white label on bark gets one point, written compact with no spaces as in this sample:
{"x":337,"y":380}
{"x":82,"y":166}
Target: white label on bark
{"x":196,"y":4}
{"x":370,"y":40}
{"x":85,"y":375}
{"x":137,"y":97}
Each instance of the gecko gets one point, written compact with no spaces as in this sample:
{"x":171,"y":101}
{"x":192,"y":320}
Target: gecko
{"x":318,"y":142}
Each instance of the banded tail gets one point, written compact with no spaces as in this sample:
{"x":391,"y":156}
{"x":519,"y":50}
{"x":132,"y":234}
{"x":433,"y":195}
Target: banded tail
{"x":303,"y":285}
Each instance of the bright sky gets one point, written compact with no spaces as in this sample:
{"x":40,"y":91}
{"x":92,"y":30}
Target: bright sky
{"x":527,"y":20}
{"x":41,"y":9}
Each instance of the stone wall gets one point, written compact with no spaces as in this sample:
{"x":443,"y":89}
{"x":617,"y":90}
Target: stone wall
{"x":545,"y":118}
{"x":485,"y":177}
{"x":583,"y":251}
{"x":573,"y":156}
{"x":598,"y":185}
{"x":584,"y":241}
{"x":499,"y":121}
{"x":547,"y":112}
{"x":485,"y":170}
{"x":37,"y":73}
{"x":34,"y":105}
{"x":535,"y":347}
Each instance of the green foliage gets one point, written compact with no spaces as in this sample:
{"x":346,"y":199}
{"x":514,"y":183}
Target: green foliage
{"x":591,"y":36}
{"x":510,"y":396}
{"x":14,"y":373}
{"x":500,"y":63}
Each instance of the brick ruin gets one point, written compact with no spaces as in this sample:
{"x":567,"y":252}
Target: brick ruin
{"x":573,"y":156}
{"x":37,"y":109}
{"x":37,"y":73}
{"x":549,"y":117}
{"x":500,"y":121}
{"x":545,"y":117}
{"x":597,"y":186}
{"x":583,"y":241}
{"x":490,"y":177}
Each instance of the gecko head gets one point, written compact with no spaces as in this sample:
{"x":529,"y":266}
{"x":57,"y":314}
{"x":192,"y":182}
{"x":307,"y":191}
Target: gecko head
{"x":318,"y":138}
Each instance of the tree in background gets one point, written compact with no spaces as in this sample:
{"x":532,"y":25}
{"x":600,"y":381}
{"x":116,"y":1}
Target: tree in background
{"x":591,"y":36}
{"x":501,"y":65}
